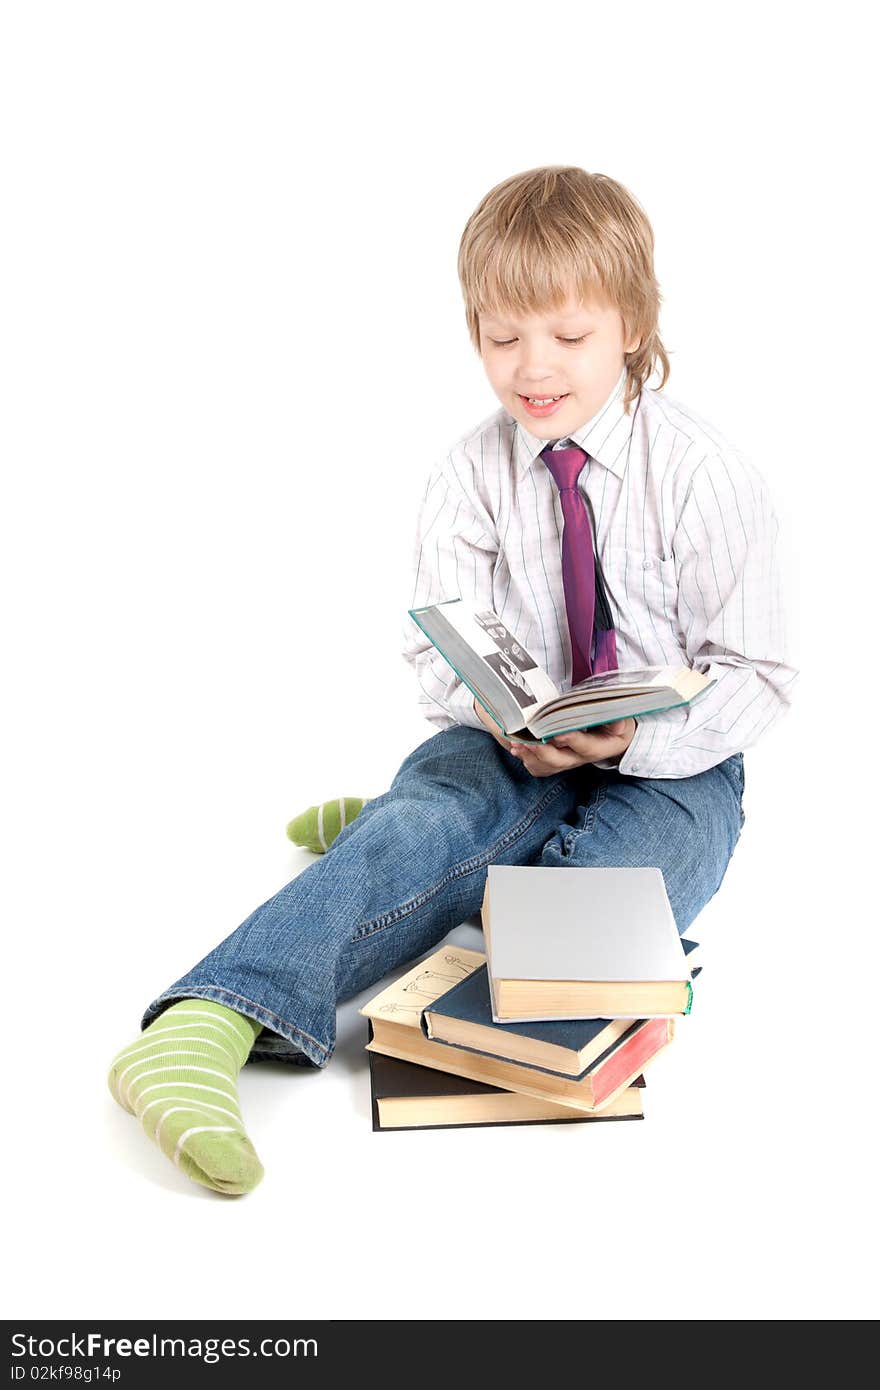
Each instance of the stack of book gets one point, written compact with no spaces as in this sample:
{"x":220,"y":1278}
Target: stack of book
{"x":578,"y":991}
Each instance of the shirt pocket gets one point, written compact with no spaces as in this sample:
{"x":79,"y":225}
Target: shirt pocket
{"x":644,"y":590}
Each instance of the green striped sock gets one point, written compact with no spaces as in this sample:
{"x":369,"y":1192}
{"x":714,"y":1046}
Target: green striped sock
{"x":317,"y":828}
{"x":180,"y":1079}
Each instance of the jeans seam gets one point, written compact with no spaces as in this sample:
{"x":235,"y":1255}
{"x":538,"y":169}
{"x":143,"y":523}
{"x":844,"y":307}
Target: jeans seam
{"x":589,"y":820}
{"x":467,"y":866}
{"x":261,"y":1009}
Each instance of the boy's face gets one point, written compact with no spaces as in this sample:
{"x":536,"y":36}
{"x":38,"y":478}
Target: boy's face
{"x":576,"y":352}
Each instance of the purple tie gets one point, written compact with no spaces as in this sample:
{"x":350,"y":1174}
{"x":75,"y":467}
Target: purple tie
{"x":579,"y":571}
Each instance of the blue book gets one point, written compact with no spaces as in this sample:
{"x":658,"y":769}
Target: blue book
{"x":571,"y":1048}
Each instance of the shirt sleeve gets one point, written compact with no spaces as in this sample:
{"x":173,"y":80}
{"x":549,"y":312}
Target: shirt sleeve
{"x":730,"y":609}
{"x":453,"y":557}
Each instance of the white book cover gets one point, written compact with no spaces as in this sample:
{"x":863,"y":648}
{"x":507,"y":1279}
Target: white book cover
{"x":581,"y":924}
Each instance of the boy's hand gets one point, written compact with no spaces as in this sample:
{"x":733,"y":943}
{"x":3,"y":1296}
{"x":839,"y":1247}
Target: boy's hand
{"x":494,"y":729}
{"x":567,"y":751}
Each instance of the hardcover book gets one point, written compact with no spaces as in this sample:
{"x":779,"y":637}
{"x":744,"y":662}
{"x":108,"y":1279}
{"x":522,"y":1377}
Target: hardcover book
{"x":395,"y":1013}
{"x":462,"y":1017}
{"x":405,"y":1095}
{"x":519,"y":694}
{"x":566,"y":943}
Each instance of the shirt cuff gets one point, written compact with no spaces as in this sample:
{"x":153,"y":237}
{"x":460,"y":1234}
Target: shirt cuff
{"x":650,"y":745}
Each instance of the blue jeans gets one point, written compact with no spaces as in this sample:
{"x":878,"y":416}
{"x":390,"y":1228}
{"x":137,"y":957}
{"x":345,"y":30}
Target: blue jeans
{"x":413,"y":865}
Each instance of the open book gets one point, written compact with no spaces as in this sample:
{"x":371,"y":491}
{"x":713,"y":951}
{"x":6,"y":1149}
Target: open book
{"x":519,"y":694}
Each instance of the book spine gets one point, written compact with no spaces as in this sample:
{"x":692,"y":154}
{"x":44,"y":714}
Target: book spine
{"x":630,"y":1058}
{"x":374,"y":1106}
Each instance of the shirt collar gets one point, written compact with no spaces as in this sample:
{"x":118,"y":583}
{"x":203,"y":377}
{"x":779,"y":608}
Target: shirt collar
{"x":605,"y":437}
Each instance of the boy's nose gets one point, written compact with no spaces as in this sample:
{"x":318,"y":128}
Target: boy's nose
{"x":535,"y":373}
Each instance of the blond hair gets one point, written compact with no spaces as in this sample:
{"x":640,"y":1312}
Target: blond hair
{"x":543,"y":234}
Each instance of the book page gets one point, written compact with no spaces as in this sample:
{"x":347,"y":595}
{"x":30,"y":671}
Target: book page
{"x":404,"y":1000}
{"x":609,"y":686}
{"x":638,"y":679}
{"x":635,"y":678}
{"x":488,"y":638}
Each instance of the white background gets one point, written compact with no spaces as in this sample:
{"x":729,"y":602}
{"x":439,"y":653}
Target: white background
{"x":233,"y":344}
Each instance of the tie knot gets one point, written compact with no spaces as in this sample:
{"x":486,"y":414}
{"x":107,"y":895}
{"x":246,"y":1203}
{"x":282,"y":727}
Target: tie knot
{"x":565,"y":465}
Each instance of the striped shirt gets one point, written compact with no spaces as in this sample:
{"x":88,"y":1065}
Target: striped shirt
{"x":686,"y":534}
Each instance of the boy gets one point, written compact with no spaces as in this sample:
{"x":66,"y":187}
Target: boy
{"x":608,"y":527}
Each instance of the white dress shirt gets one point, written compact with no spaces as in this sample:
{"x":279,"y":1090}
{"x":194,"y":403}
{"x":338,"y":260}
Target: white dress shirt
{"x":686,"y":534}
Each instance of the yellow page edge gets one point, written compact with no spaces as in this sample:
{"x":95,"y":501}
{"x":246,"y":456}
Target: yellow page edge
{"x":580,"y":728}
{"x":476,"y":694}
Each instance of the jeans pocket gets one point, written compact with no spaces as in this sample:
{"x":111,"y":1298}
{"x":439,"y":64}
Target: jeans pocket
{"x":741,"y":778}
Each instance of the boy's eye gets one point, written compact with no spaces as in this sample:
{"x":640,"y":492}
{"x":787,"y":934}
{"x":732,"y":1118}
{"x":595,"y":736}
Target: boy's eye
{"x":507,"y":341}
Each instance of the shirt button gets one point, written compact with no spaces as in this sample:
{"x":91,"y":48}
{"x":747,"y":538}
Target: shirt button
{"x":647,"y":564}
